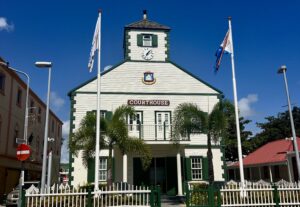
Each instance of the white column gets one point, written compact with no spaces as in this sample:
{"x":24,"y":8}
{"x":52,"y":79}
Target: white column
{"x":125,"y":168}
{"x":179,"y":180}
{"x":270,"y":172}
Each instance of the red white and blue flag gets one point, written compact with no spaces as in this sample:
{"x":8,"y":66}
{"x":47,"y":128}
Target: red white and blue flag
{"x":225,"y":47}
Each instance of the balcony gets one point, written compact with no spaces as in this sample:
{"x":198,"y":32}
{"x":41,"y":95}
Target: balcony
{"x":156,"y":132}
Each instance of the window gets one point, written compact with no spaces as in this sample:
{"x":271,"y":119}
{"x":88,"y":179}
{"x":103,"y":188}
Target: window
{"x":147,"y":40}
{"x":39,"y":115}
{"x":52,"y":126}
{"x":16,"y":133}
{"x":103,"y":169}
{"x":31,"y":110}
{"x":2,"y":83}
{"x":19,"y":97}
{"x":196,"y":167}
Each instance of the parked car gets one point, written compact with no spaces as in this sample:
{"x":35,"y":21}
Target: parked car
{"x":13,"y":197}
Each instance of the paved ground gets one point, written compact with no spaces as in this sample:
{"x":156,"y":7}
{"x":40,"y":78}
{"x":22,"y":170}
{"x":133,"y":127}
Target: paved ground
{"x":171,"y":202}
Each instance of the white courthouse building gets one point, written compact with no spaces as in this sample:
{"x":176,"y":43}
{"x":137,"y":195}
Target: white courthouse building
{"x":148,"y":80}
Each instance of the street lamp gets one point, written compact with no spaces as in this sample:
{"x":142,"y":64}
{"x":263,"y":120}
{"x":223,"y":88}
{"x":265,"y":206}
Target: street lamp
{"x":26,"y":102}
{"x":47,"y":65}
{"x":282,"y":70}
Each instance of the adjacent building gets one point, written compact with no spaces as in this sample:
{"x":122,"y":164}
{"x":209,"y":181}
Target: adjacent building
{"x":12,"y":116}
{"x":148,"y":80}
{"x":271,"y":162}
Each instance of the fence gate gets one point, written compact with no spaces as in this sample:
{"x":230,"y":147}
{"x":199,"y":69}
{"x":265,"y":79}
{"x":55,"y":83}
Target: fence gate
{"x":203,"y":197}
{"x":118,"y":194}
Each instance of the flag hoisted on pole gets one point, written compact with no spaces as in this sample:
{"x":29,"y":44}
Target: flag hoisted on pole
{"x":227,"y":47}
{"x":96,"y":46}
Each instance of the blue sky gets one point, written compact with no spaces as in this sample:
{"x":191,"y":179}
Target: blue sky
{"x":265,"y":35}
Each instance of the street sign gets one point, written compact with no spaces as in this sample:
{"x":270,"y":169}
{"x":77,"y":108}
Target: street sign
{"x":23,"y":152}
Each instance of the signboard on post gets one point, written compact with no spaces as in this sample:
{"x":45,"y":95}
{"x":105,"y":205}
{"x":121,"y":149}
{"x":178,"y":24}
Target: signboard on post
{"x":23,"y":152}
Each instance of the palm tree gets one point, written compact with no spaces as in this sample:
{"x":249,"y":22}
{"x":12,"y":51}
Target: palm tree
{"x":190,"y":119}
{"x":114,"y":133}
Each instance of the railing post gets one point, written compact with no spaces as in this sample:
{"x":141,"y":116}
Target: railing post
{"x":158,"y":196}
{"x":164,"y":130}
{"x":219,"y":197}
{"x":89,"y":198}
{"x":187,"y":195}
{"x":211,"y":196}
{"x":152,"y":197}
{"x":23,"y":198}
{"x":276,"y":195}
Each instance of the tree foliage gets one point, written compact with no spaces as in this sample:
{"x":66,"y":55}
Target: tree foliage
{"x":230,"y":135}
{"x":114,"y":133}
{"x":277,"y":127}
{"x":190,"y":119}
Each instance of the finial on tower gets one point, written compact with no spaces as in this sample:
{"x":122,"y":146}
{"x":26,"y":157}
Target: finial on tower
{"x":144,"y":14}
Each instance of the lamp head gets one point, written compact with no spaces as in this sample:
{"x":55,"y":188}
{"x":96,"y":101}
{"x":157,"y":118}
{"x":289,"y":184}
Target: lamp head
{"x":43,"y":64}
{"x":282,"y":69}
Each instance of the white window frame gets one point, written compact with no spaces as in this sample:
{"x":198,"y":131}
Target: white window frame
{"x":147,"y":42}
{"x":103,"y":169}
{"x":196,"y":168}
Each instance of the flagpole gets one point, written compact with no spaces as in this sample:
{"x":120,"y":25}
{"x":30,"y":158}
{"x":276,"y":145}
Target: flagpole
{"x":237,"y":122}
{"x":96,"y":184}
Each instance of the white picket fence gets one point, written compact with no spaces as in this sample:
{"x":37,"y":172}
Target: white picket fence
{"x":119,"y":194}
{"x":260,"y":194}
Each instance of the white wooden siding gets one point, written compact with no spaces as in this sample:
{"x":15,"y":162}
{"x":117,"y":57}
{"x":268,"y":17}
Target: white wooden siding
{"x":128,"y":78}
{"x":217,"y":162}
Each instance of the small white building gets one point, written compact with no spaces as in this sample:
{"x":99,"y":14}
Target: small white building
{"x":155,"y":86}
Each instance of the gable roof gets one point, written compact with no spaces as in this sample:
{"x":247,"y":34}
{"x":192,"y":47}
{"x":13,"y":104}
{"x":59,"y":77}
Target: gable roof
{"x":124,"y":61}
{"x":147,"y":24}
{"x":272,"y":152}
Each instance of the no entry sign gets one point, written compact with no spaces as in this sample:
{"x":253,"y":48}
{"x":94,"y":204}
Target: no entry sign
{"x":23,"y":152}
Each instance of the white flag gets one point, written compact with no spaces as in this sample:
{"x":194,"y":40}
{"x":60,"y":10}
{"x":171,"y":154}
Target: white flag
{"x":95,"y":46}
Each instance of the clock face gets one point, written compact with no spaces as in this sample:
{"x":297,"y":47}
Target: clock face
{"x":147,"y":54}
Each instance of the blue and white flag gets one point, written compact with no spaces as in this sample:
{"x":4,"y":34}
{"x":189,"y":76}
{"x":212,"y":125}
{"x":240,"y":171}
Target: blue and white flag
{"x":95,"y":46}
{"x":225,"y":47}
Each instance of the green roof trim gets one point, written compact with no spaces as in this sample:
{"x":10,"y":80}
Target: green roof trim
{"x":94,"y":78}
{"x":124,"y":61}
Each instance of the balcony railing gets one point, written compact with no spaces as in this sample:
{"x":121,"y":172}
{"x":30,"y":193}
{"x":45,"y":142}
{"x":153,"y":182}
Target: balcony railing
{"x":156,"y":132}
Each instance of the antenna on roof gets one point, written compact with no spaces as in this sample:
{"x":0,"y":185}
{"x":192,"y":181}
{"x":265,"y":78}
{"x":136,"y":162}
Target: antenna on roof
{"x":144,"y":14}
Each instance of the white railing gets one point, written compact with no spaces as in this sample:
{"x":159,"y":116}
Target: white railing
{"x":261,"y":194}
{"x":154,"y":132}
{"x":119,"y":194}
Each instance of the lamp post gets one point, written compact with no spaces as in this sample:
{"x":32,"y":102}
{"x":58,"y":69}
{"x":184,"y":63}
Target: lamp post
{"x":282,"y":70}
{"x":26,"y":102}
{"x":47,"y":65}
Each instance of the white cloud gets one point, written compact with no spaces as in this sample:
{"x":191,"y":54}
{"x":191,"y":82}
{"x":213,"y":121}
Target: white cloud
{"x":64,"y":148}
{"x":107,"y":67}
{"x":66,"y":129}
{"x":245,"y":105}
{"x":4,"y":25}
{"x":56,"y":101}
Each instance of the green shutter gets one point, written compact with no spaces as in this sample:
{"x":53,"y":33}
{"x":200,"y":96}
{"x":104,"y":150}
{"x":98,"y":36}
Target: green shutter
{"x":140,"y":40}
{"x":205,"y":168}
{"x":91,"y":170}
{"x":108,"y":115}
{"x":154,"y":40}
{"x":188,"y":169}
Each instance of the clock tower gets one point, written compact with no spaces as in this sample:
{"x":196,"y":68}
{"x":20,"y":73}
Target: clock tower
{"x":146,"y":40}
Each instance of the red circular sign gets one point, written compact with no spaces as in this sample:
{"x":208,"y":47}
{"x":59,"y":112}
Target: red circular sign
{"x":23,"y":152}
